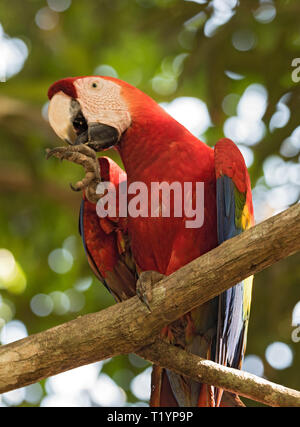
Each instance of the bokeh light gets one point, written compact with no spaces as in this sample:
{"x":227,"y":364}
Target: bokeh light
{"x":65,"y":401}
{"x":83,"y":284}
{"x":7,"y":264}
{"x":230,"y":103}
{"x":198,"y":1}
{"x":41,"y":305}
{"x":279,"y":355}
{"x":164,"y":85}
{"x":45,"y":111}
{"x":281,"y":197}
{"x":71,"y":245}
{"x":295,"y":137}
{"x":288,"y":149}
{"x":253,"y":103}
{"x":247,"y":153}
{"x":296,"y":315}
{"x":76,"y":380}
{"x":76,"y":300}
{"x":14,"y":53}
{"x":59,"y":5}
{"x":281,"y":117}
{"x":243,"y":40}
{"x":14,"y":397}
{"x":61,"y":303}
{"x":60,"y":261}
{"x":247,"y":126}
{"x":105,"y":70}
{"x":46,"y":19}
{"x":107,"y":393}
{"x":13,"y":331}
{"x":265,"y":13}
{"x":191,"y":113}
{"x":12,"y":277}
{"x":254,"y":365}
{"x":72,"y":388}
{"x":275,"y":171}
{"x":7,"y":311}
{"x":223,"y":11}
{"x":141,"y":385}
{"x":234,"y":76}
{"x":33,"y":393}
{"x":281,"y":189}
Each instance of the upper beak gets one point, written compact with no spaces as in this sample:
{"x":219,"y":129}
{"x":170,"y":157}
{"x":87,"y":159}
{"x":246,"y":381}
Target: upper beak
{"x":60,"y":117}
{"x":68,"y":122}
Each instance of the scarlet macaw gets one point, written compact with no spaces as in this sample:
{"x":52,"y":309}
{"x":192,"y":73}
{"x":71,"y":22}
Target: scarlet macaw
{"x":94,"y":113}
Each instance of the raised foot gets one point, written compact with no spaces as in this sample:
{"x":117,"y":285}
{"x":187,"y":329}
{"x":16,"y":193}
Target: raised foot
{"x":145,"y":284}
{"x":86,"y":157}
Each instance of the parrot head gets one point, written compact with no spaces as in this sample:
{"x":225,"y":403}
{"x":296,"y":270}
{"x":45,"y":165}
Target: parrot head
{"x":88,"y":110}
{"x":96,"y":110}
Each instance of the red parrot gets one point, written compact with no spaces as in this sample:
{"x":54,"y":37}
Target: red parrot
{"x":95,"y":113}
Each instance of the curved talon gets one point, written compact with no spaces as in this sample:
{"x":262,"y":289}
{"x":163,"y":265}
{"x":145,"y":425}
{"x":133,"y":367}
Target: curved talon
{"x":82,"y":149}
{"x":144,"y":286}
{"x":74,"y":188}
{"x":91,"y":193}
{"x":58,"y":152}
{"x":143,"y":298}
{"x":85,"y":156}
{"x":50,"y":153}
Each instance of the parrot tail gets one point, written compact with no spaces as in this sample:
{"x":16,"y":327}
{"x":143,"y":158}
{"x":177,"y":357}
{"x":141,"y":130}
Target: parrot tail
{"x":161,"y":391}
{"x":206,"y":396}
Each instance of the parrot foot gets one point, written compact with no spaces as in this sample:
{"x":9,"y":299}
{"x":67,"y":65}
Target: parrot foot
{"x":145,"y":284}
{"x":85,"y":156}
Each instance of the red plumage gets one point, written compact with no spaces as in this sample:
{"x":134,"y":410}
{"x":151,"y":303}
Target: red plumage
{"x":156,"y":148}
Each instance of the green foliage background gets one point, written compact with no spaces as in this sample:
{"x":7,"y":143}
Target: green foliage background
{"x":140,"y":40}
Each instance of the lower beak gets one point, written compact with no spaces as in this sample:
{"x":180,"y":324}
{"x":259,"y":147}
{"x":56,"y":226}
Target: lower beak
{"x":98,"y":136}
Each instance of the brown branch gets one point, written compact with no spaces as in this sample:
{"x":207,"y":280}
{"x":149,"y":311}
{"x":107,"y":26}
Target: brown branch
{"x":129,"y":326}
{"x":208,"y":372}
{"x":15,"y":179}
{"x":12,"y":108}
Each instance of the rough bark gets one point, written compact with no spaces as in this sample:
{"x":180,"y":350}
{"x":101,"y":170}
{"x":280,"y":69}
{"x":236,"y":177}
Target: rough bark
{"x":229,"y":379}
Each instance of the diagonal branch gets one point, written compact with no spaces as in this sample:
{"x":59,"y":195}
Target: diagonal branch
{"x":129,"y":326}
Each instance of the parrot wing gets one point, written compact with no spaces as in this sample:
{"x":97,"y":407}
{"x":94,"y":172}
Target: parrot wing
{"x":106,"y":243}
{"x":234,"y":215}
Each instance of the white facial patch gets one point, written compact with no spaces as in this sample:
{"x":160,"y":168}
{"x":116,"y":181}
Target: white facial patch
{"x":101,"y":102}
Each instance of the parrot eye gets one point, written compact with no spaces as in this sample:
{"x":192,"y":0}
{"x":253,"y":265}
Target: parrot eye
{"x":94,"y":85}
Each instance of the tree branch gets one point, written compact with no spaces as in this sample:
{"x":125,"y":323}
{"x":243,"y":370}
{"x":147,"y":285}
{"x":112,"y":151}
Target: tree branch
{"x":129,"y":326}
{"x":208,"y":372}
{"x":14,"y":178}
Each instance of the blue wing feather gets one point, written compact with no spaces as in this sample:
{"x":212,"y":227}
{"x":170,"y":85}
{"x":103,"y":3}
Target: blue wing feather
{"x":230,"y":315}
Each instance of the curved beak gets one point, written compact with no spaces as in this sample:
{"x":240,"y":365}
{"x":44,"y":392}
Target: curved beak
{"x":60,"y":117}
{"x":69,"y":123}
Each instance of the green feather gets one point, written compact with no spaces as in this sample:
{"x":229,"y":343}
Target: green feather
{"x":240,"y":201}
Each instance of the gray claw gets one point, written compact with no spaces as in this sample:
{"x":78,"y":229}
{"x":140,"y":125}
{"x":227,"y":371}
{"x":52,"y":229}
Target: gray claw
{"x":145,"y":284}
{"x":74,"y":188}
